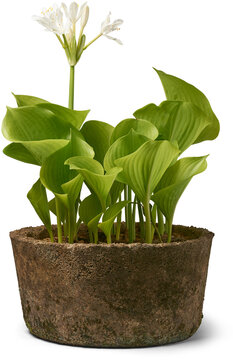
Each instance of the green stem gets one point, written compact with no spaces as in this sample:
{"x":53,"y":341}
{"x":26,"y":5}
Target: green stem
{"x":141,"y":220}
{"x":133,"y":218}
{"x":72,"y":223}
{"x":169,"y":236}
{"x":71,"y":89}
{"x":118,"y":225}
{"x":51,"y":235}
{"x":90,"y":236}
{"x":77,"y":226}
{"x":148,"y":221}
{"x":59,"y":228}
{"x":126,"y":208}
{"x":96,"y":237}
{"x":60,"y":40}
{"x":130,"y":219}
{"x":160,"y":222}
{"x":109,"y":239}
{"x":91,"y":42}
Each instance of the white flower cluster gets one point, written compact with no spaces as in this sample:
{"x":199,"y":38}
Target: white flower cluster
{"x":62,"y":20}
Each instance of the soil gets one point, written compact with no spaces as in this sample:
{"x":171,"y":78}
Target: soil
{"x":180,"y":233}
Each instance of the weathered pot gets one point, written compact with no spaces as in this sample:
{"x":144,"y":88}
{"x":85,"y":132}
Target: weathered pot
{"x":118,"y":295}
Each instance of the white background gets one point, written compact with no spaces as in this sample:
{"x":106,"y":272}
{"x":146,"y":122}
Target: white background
{"x":190,"y":39}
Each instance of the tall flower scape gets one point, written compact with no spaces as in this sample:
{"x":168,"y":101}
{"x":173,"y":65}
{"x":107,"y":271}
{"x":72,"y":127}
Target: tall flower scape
{"x":134,"y":169}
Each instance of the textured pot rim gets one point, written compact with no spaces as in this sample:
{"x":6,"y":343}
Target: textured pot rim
{"x":20,"y":235}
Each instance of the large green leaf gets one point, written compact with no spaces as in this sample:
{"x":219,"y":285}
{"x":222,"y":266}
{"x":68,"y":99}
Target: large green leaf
{"x":184,"y":125}
{"x":26,"y":100}
{"x":142,"y":127}
{"x":42,"y":149}
{"x":123,"y":146}
{"x":30,"y":123}
{"x":174,"y":182}
{"x":54,"y":173}
{"x":93,"y":173}
{"x":19,"y":152}
{"x":177,"y":89}
{"x":144,"y":168}
{"x":38,"y":198}
{"x":73,"y":117}
{"x":110,"y":215}
{"x":98,"y":134}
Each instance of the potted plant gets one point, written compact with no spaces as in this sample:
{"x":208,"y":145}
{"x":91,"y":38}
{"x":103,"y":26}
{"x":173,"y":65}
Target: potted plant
{"x":93,"y":279}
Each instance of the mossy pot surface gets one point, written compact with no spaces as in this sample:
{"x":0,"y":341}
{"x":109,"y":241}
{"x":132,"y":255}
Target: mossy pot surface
{"x":112,"y":295}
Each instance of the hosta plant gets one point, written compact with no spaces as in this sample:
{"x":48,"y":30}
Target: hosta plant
{"x":135,"y":170}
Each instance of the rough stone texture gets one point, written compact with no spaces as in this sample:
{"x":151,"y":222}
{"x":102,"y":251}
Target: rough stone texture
{"x":118,"y":295}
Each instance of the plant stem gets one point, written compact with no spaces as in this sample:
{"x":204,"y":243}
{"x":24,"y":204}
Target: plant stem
{"x":130,"y":219}
{"x":59,"y":228}
{"x":72,"y":223}
{"x":71,"y":89}
{"x":141,"y":220}
{"x":133,"y":219}
{"x":169,"y":237}
{"x":118,"y":224}
{"x":148,"y":221}
{"x":96,"y":237}
{"x":126,"y":208}
{"x":90,"y":236}
{"x":160,"y":222}
{"x":109,"y":239}
{"x":91,"y":42}
{"x":51,"y":235}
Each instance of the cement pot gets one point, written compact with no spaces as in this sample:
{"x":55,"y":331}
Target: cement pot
{"x":118,"y":295}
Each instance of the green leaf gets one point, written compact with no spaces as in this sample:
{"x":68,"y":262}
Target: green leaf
{"x":18,"y":152}
{"x":184,"y":125}
{"x":157,"y":115}
{"x":123,"y":146}
{"x":73,"y":188}
{"x":73,"y":118}
{"x":93,"y":174}
{"x":177,"y":89}
{"x":115,"y":191}
{"x":144,"y":168}
{"x":42,"y":149}
{"x":174,"y":182}
{"x":38,"y":198}
{"x":52,"y":208}
{"x":54,"y":173}
{"x":32,"y":123}
{"x":90,"y":211}
{"x":142,"y":127}
{"x":98,"y":134}
{"x":26,"y":100}
{"x":110,"y":215}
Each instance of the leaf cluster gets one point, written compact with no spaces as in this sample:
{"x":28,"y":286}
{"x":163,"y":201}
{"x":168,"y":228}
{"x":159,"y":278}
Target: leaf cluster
{"x":135,"y":167}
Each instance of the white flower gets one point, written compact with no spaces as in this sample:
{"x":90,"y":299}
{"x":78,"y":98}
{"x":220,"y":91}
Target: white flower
{"x":74,"y":13}
{"x":107,"y":27}
{"x":84,"y":16}
{"x":52,"y":20}
{"x":61,"y":20}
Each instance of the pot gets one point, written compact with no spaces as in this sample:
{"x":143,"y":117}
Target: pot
{"x":112,"y":295}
